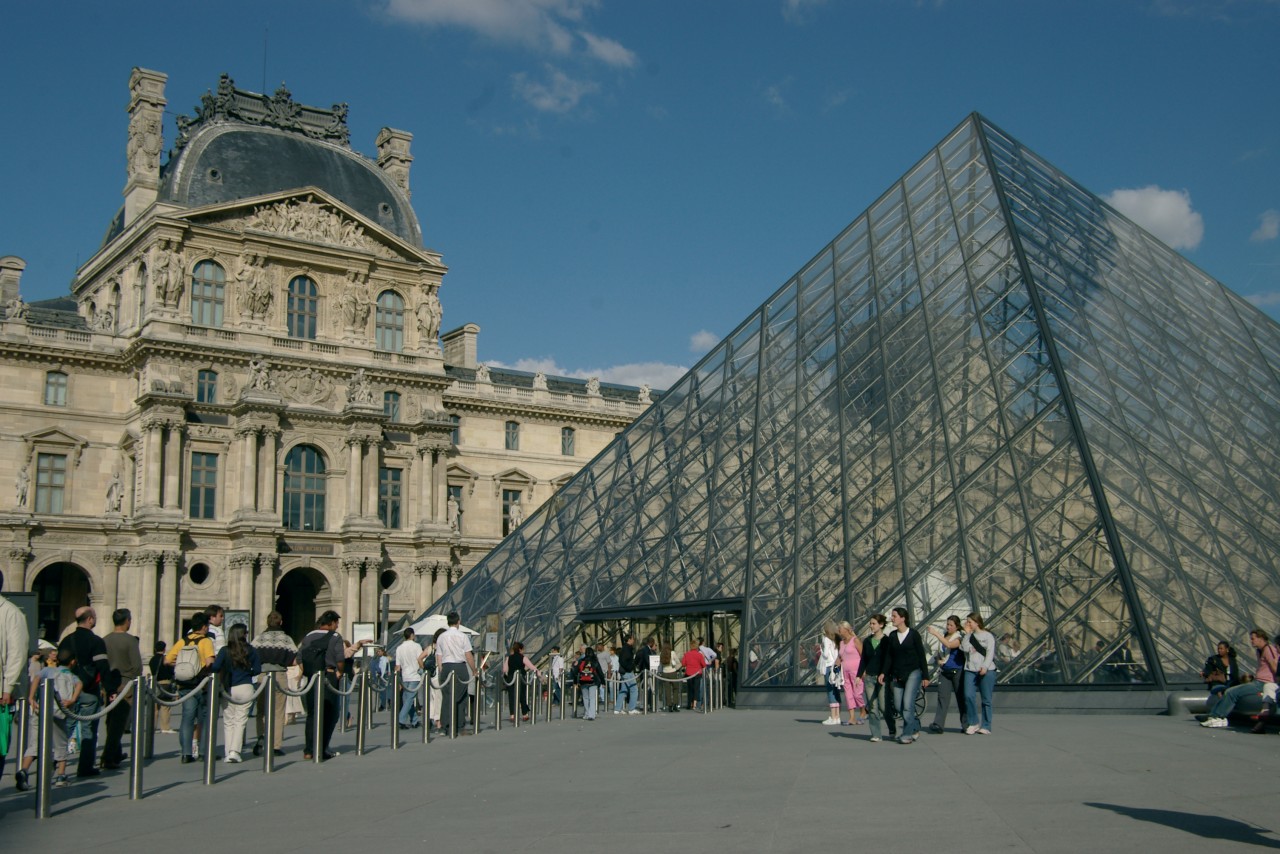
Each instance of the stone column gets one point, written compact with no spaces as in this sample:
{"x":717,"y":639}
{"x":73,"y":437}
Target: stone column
{"x":173,"y":466}
{"x":264,"y":590}
{"x":15,"y":574}
{"x":240,"y":576}
{"x":150,"y":612}
{"x":248,"y":436}
{"x":152,"y":445}
{"x":423,"y":474}
{"x":267,"y":470}
{"x":371,"y":462}
{"x":439,"y":489}
{"x":369,"y":590}
{"x":421,"y":586}
{"x":354,"y":471}
{"x":119,"y":585}
{"x":351,"y":604}
{"x":168,"y":622}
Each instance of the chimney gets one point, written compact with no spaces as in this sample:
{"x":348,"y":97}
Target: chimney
{"x":142,"y":155}
{"x":460,"y":346}
{"x":11,"y":267}
{"x":394,"y":157}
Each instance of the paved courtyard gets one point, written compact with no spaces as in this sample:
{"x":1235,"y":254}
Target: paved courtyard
{"x":732,"y":781}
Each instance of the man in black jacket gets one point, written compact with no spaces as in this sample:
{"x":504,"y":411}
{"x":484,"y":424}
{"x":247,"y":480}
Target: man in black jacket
{"x":92,"y":668}
{"x":627,"y":677}
{"x":905,"y":666}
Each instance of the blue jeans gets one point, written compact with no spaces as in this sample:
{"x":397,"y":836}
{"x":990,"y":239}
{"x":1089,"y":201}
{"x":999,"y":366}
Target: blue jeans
{"x":1227,"y":702}
{"x":973,"y":686}
{"x":194,"y":709}
{"x":589,"y":696}
{"x":904,"y":700}
{"x":627,"y":685}
{"x":408,"y":707}
{"x":88,"y":704}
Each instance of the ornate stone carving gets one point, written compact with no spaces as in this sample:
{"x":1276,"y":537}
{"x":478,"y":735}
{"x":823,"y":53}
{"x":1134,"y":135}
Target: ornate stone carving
{"x":16,"y":309}
{"x":111,"y":557}
{"x":539,"y":381}
{"x":115,"y":493}
{"x":645,"y":399}
{"x":256,"y":293}
{"x":353,"y":564}
{"x":277,"y":110}
{"x":19,"y":557}
{"x":307,"y":386}
{"x":593,"y":387}
{"x":168,"y":268}
{"x":360,"y":392}
{"x":482,"y":373}
{"x":306,"y":219}
{"x":21,"y":486}
{"x":429,"y":314}
{"x":242,"y":562}
{"x":143,"y":151}
{"x":260,"y":376}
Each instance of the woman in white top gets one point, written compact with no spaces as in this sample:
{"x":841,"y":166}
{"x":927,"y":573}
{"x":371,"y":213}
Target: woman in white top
{"x":827,"y":660}
{"x":979,"y":647}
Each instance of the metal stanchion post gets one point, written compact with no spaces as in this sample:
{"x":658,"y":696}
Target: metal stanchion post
{"x":497,"y":706}
{"x":479,"y":695}
{"x":211,"y":731}
{"x":362,"y":709}
{"x":426,"y":707}
{"x":575,"y":700}
{"x":453,"y":705}
{"x":317,"y":724}
{"x":563,"y":698}
{"x":344,"y":713}
{"x":44,"y":759}
{"x":396,"y":690}
{"x":24,"y":725}
{"x":139,"y":735}
{"x":534,"y":687}
{"x":269,"y":726}
{"x":147,"y":685}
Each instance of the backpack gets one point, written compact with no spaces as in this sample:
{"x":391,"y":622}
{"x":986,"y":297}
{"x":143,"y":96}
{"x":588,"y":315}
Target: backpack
{"x":187,"y":665}
{"x":586,"y":671}
{"x":312,"y":655}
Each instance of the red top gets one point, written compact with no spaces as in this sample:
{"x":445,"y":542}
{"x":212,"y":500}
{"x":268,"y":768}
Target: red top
{"x":693,"y":662}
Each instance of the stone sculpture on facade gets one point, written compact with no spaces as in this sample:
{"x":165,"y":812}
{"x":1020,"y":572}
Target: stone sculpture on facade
{"x":115,"y":493}
{"x":482,"y":373}
{"x":360,"y":392}
{"x":259,"y":376}
{"x":645,"y":399}
{"x":593,"y":387}
{"x":16,"y":309}
{"x":354,"y":306}
{"x":429,"y":316}
{"x":515,"y":513}
{"x":22,"y":485}
{"x":255,"y":291}
{"x":143,"y":151}
{"x":539,"y":381}
{"x":453,"y":515}
{"x":170,"y":277}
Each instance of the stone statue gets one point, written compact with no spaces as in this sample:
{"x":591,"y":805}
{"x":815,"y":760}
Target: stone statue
{"x":515,"y":514}
{"x":16,"y":309}
{"x":452,"y":510}
{"x":170,"y":282}
{"x":104,"y":321}
{"x":255,"y":291}
{"x":429,"y":317}
{"x":259,"y":376}
{"x":115,"y":493}
{"x":23,"y":483}
{"x":482,"y":373}
{"x":540,"y":381}
{"x":645,"y":399}
{"x":359,"y":391}
{"x":354,"y":304}
{"x":142,"y":154}
{"x":593,"y":387}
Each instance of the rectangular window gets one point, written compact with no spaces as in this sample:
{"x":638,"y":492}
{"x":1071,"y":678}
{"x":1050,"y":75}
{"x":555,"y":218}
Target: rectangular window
{"x":51,"y":482}
{"x":566,"y":441}
{"x":55,"y":389}
{"x":204,"y":486}
{"x":513,"y":436}
{"x":391,"y":405}
{"x":389,"y":497}
{"x":206,"y":387}
{"x":456,"y":435}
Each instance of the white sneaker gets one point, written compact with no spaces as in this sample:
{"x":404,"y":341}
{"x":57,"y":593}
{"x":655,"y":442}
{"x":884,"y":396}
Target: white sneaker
{"x":1214,"y":723}
{"x":984,"y":731}
{"x":971,"y":729}
{"x":233,"y":757}
{"x":617,"y":711}
{"x":875,"y":739}
{"x":831,"y":722}
{"x":634,"y":712}
{"x":915,"y":737}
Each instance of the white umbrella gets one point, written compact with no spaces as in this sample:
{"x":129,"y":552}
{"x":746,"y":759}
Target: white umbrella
{"x":428,"y":626}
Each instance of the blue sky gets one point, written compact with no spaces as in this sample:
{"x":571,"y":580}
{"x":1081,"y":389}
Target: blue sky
{"x":615,"y":184}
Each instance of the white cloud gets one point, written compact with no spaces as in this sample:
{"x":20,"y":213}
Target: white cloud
{"x":656,"y":375}
{"x":1167,"y":214}
{"x":702,"y":341}
{"x":1268,"y":227}
{"x":559,"y":93}
{"x":773,"y":96}
{"x":1264,"y":300}
{"x":608,"y":51}
{"x":800,"y":11}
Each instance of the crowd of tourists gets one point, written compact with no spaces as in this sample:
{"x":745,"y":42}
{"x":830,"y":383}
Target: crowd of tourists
{"x":882,"y":676}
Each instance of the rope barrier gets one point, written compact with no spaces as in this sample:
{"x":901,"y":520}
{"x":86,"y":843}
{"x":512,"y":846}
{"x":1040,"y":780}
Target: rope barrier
{"x":257,"y":692}
{"x":178,"y":702}
{"x":333,"y":689}
{"x":304,"y":690}
{"x":102,"y":713}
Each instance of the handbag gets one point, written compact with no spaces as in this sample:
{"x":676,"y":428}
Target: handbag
{"x":835,"y":676}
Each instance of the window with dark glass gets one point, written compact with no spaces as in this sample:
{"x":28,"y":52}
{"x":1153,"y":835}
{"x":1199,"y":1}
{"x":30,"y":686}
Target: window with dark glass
{"x":391,"y":405}
{"x":51,"y":482}
{"x":208,"y":293}
{"x":55,"y":389}
{"x":455,"y":436}
{"x":389,"y":496}
{"x":513,"y":436}
{"x":302,"y":308}
{"x":207,"y":387}
{"x":511,"y":497}
{"x":304,"y":489}
{"x":204,"y":486}
{"x":566,"y":441}
{"x":389,"y":322}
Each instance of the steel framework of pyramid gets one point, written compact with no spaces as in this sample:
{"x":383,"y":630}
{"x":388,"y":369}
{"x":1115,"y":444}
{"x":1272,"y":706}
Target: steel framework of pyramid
{"x":991,"y":392}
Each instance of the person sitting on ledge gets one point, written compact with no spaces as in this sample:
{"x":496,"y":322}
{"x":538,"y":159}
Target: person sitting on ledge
{"x":1263,"y":684}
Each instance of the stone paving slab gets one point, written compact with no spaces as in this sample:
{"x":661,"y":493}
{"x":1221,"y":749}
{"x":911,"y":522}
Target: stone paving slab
{"x":744,"y":781}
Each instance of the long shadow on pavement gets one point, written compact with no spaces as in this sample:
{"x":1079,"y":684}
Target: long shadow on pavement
{"x":1208,"y":826}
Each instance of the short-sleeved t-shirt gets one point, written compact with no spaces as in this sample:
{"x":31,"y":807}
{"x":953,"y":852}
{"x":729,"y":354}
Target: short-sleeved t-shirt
{"x":335,"y":654}
{"x":407,"y":660}
{"x":693,"y":662}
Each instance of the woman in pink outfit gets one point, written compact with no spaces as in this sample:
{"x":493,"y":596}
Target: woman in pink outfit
{"x":855,"y":699}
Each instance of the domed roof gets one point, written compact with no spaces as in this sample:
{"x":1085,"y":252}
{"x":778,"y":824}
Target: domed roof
{"x":226,"y":161}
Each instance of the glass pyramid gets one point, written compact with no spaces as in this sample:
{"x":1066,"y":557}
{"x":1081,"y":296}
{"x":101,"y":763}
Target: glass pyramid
{"x":990,"y":392}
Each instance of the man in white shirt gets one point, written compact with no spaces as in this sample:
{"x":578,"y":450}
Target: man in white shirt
{"x":409,"y":657}
{"x":216,"y":615}
{"x":453,"y":652}
{"x":557,"y":672}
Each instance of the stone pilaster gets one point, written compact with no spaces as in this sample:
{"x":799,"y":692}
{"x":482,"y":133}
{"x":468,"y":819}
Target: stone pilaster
{"x":119,"y":582}
{"x":264,"y":593}
{"x":173,"y":464}
{"x":15,"y":574}
{"x":142,"y":155}
{"x":167,"y":623}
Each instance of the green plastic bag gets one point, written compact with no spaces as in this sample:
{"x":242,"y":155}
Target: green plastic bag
{"x":6,"y":727}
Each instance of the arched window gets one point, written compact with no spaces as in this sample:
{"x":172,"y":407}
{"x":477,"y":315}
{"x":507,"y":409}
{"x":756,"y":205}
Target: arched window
{"x":304,"y":486}
{"x":207,"y":387}
{"x":55,"y":389}
{"x":208,"y":293}
{"x":389,"y":325}
{"x":303,"y":306}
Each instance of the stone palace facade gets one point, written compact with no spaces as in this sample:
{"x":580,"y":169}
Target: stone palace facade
{"x":248,"y":398}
